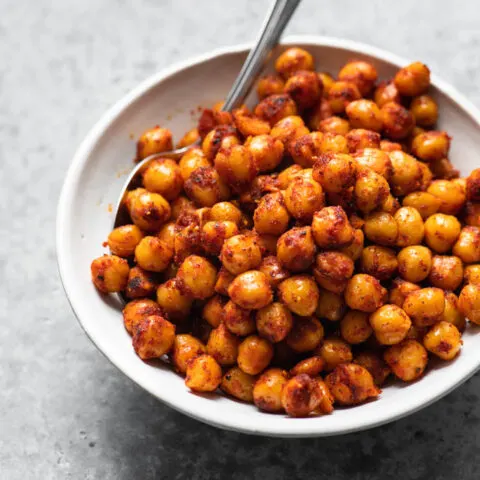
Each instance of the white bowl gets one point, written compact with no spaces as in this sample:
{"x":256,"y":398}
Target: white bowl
{"x":93,"y":184}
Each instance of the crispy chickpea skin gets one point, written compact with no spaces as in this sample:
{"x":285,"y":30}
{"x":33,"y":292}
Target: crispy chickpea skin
{"x":413,"y":80}
{"x":407,"y":359}
{"x":306,"y":148}
{"x":167,"y":234}
{"x":303,"y":197}
{"x":289,"y":129}
{"x":473,"y":186}
{"x":267,"y":391}
{"x":446,"y":272}
{"x":247,"y":124}
{"x":333,"y":143}
{"x":251,"y":290}
{"x":154,"y":140}
{"x":173,"y":300}
{"x":386,"y":92}
{"x":414,"y":263}
{"x":331,"y":306}
{"x":292,"y":60}
{"x":223,"y":345}
{"x":332,"y":270}
{"x":381,"y":228}
{"x":254,"y":354}
{"x":362,"y":74}
{"x":359,"y":138}
{"x":238,"y":384}
{"x":140,"y":283}
{"x":335,"y":125}
{"x":241,"y":253}
{"x":136,"y":310}
{"x":236,"y":166}
{"x":185,"y":348}
{"x":149,"y":211}
{"x":163,"y":176}
{"x":334,"y":351}
{"x":214,"y":235}
{"x":472,"y":274}
{"x":306,"y":334}
{"x":271,"y":216}
{"x":379,"y":262}
{"x":441,"y":232}
{"x":274,"y":108}
{"x":341,"y":94}
{"x":123,"y":240}
{"x":205,"y":187}
{"x":472,"y":214}
{"x":225,"y":212}
{"x":354,"y":327}
{"x":301,"y":395}
{"x":153,"y":337}
{"x":110,"y":273}
{"x":371,"y":190}
{"x":300,"y":294}
{"x":311,"y":366}
{"x":467,"y":247}
{"x":213,"y":310}
{"x":425,"y":306}
{"x":203,"y":374}
{"x":238,"y":320}
{"x":431,"y":146}
{"x":269,"y":85}
{"x":424,"y":110}
{"x":390,"y":324}
{"x":397,"y":121}
{"x":335,"y":172}
{"x":376,"y":160}
{"x":273,"y":270}
{"x":375,"y":364}
{"x":364,"y":293}
{"x":194,"y":158}
{"x":364,"y":114}
{"x":296,"y":249}
{"x":355,"y":249}
{"x":407,"y":174}
{"x":443,"y":340}
{"x":196,"y":277}
{"x":469,"y":302}
{"x":452,"y":313}
{"x":425,"y":203}
{"x":266,"y":151}
{"x":410,"y":226}
{"x":399,"y":291}
{"x":274,"y":322}
{"x":152,"y":254}
{"x":331,"y":228}
{"x":222,"y":136}
{"x":304,"y":87}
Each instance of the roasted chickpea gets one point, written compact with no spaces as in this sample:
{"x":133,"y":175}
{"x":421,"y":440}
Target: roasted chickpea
{"x":273,"y":270}
{"x":446,"y":272}
{"x":149,"y":211}
{"x":371,"y":190}
{"x":375,"y":364}
{"x":331,"y":306}
{"x":173,"y":300}
{"x":221,"y":137}
{"x":333,"y":143}
{"x":425,"y":203}
{"x":266,"y":151}
{"x":304,"y":87}
{"x":274,"y":322}
{"x":289,"y":129}
{"x":154,"y":140}
{"x":413,"y":80}
{"x":379,"y":262}
{"x":334,"y":351}
{"x":389,"y":146}
{"x":364,"y":114}
{"x":286,"y":176}
{"x":271,"y":216}
{"x":225,"y":212}
{"x":335,"y":172}
{"x":274,"y":108}
{"x":194,"y":158}
{"x":472,"y":274}
{"x":167,"y":234}
{"x":251,"y":290}
{"x":441,"y":232}
{"x":185,"y":348}
{"x":137,"y":310}
{"x":425,"y":306}
{"x":424,"y":110}
{"x":467,"y":247}
{"x":399,"y":291}
{"x":292,"y":60}
{"x":214,"y":235}
{"x":469,"y":302}
{"x":327,"y":81}
{"x":311,"y":366}
{"x":335,"y":125}
{"x":223,"y":345}
{"x":300,"y":294}
{"x":390,"y":204}
{"x":427,"y":176}
{"x":397,"y":121}
{"x":196,"y":277}
{"x":247,"y":124}
{"x":431,"y":146}
{"x":269,"y":85}
{"x":296,"y":249}
{"x":205,"y":187}
{"x":341,"y":94}
{"x":390,"y":324}
{"x":152,"y":254}
{"x":443,"y":340}
{"x":320,"y":112}
{"x":238,"y":320}
{"x":410,"y":226}
{"x":238,"y":384}
{"x":203,"y":374}
{"x":472,"y":214}
{"x":359,"y":139}
{"x":376,"y":160}
{"x":332,"y":270}
{"x":355,"y":249}
{"x":213,"y":310}
{"x":407,"y":173}
{"x":386,"y":92}
{"x":267,"y":391}
{"x":351,"y":384}
{"x":381,"y":228}
{"x":241,"y":253}
{"x":306,"y":148}
{"x":192,"y":136}
{"x":187,"y":242}
{"x":354,"y":327}
{"x":140,"y":283}
{"x":331,"y":228}
{"x":123,"y":240}
{"x":407,"y":360}
{"x":364,"y":293}
{"x":303,"y":197}
{"x":301,"y":395}
{"x":163,"y":176}
{"x":254,"y":354}
{"x":362,"y":74}
{"x":153,"y":337}
{"x":414,"y":263}
{"x":179,"y":206}
{"x":473,"y":186}
{"x":306,"y":334}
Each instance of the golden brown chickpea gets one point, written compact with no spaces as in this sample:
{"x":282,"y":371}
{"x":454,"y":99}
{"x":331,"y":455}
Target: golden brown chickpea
{"x":163,"y":176}
{"x":123,"y":240}
{"x":287,"y":175}
{"x":425,"y":306}
{"x":331,"y":306}
{"x":205,"y":187}
{"x":413,"y":80}
{"x":335,"y":125}
{"x":381,"y":228}
{"x":364,"y":114}
{"x":467,"y":247}
{"x":390,"y":205}
{"x":173,"y":301}
{"x":305,"y":88}
{"x":386,"y":92}
{"x":334,"y":351}
{"x":452,"y":313}
{"x":238,"y":320}
{"x":425,"y":203}
{"x":407,"y":360}
{"x":301,"y":395}
{"x":214,"y":235}
{"x":221,"y":137}
{"x":267,"y":391}
{"x":154,"y":140}
{"x":185,"y":348}
{"x":355,"y":249}
{"x":181,"y":205}
{"x":225,"y":212}
{"x":390,"y":324}
{"x":296,"y":249}
{"x":292,"y":60}
{"x":424,"y":110}
{"x":190,"y":137}
{"x":399,"y":291}
{"x":274,"y":322}
{"x":269,"y":85}
{"x":473,"y":186}
{"x":167,"y":234}
{"x":194,"y":158}
{"x":414,"y":263}
{"x":149,"y":211}
{"x":410,"y":226}
{"x":300,"y":294}
{"x":274,"y":108}
{"x":137,"y":310}
{"x":441,"y":232}
{"x":341,"y":94}
{"x":472,"y":274}
{"x":153,"y":337}
{"x":331,"y":228}
{"x":223,"y":345}
{"x":335,"y":172}
{"x":469,"y":302}
{"x":213,"y":310}
{"x":303,"y":197}
{"x":351,"y":384}
{"x":333,"y":143}
{"x":254,"y":354}
{"x":407,"y":173}
{"x":327,"y":81}
{"x":306,"y":148}
{"x":311,"y":366}
{"x":443,"y":340}
{"x":266,"y":151}
{"x":472,"y":214}
{"x":271,"y":216}
{"x":359,"y":139}
{"x":236,"y":166}
{"x":389,"y":146}
{"x":398,"y":122}
{"x":289,"y":129}
{"x":238,"y":384}
{"x":354,"y":327}
{"x":320,"y":112}
{"x":249,"y":125}
{"x":379,"y":262}
{"x":371,"y":190}
{"x":152,"y":254}
{"x":251,"y":290}
{"x":273,"y":270}
{"x":224,"y":279}
{"x":241,"y":253}
{"x":306,"y":334}
{"x":431,"y":146}
{"x":186,"y":242}
{"x":196,"y":277}
{"x":446,"y":272}
{"x":364,"y":293}
{"x":332,"y":270}
{"x":362,"y":74}
{"x":203,"y":374}
{"x":140,"y":283}
{"x":444,"y":169}
{"x":376,"y":160}
{"x":377,"y":367}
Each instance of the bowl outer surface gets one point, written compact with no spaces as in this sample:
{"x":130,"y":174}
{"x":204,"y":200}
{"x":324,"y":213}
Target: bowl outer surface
{"x":95,"y":178}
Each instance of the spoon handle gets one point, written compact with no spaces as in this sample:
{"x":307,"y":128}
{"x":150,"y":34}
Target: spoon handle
{"x":275,"y":23}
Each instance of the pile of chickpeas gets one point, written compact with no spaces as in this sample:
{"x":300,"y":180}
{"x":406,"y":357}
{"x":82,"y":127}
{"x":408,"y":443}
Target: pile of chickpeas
{"x":309,"y":248}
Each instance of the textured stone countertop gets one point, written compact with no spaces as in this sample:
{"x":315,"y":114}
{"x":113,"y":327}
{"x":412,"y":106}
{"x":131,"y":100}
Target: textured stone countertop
{"x":65,"y":411}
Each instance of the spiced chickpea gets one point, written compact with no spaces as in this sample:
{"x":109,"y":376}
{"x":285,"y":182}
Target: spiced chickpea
{"x":354,"y":327}
{"x":249,"y":125}
{"x":444,"y":169}
{"x":431,"y":146}
{"x":375,"y":364}
{"x":251,"y":290}
{"x":467,"y":246}
{"x":140,"y":283}
{"x":123,"y":240}
{"x":333,"y":143}
{"x":203,"y":374}
{"x":335,"y":125}
{"x":331,"y":306}
{"x":189,"y":138}
{"x":205,"y":187}
{"x":154,"y":140}
{"x":212,"y":311}
{"x":175,"y":303}
{"x":469,"y":302}
{"x":424,"y":110}
{"x":425,"y":306}
{"x":238,"y":320}
{"x":269,"y":85}
{"x":441,"y":232}
{"x":407,"y":359}
{"x":359,"y":138}
{"x":341,"y":94}
{"x":300,"y":294}
{"x":221,"y":137}
{"x":289,"y":129}
{"x":273,"y":270}
{"x":332,"y":270}
{"x":410,"y":226}
{"x":472,"y":214}
{"x":365,"y":293}
{"x":238,"y":384}
{"x":223,"y":345}
{"x":371,"y":190}
{"x":225,"y":212}
{"x":167,"y":234}
{"x":311,"y":366}
{"x":390,"y":205}
{"x":266,"y":151}
{"x":425,"y":203}
{"x":452,"y":313}
{"x":149,"y":211}
{"x":472,"y":274}
{"x":296,"y":249}
{"x":399,"y":291}
{"x":271,"y":216}
{"x":179,"y":206}
{"x":254,"y":354}
{"x":196,"y":276}
{"x":136,"y":310}
{"x":241,"y":253}
{"x":362,"y":74}
{"x":381,"y":228}
{"x":267,"y":391}
{"x":163,"y":176}
{"x":386,"y":92}
{"x":301,"y":395}
{"x":292,"y":60}
{"x":306,"y":148}
{"x":473,"y":186}
{"x":153,"y":337}
{"x":390,"y":324}
{"x":364,"y":114}
{"x":274,"y":322}
{"x":327,"y":81}
{"x":214,"y":235}
{"x":335,"y":172}
{"x":304,"y":87}
{"x":443,"y":340}
{"x":397,"y":121}
{"x":376,"y":160}
{"x":286,"y":176}
{"x":446,"y":272}
{"x":185,"y":348}
{"x":320,"y":112}
{"x":413,"y":80}
{"x":331,"y":228}
{"x":152,"y":254}
{"x":414,"y":263}
{"x":275,"y":107}
{"x":354,"y":250}
{"x":306,"y":334}
{"x":389,"y":146}
{"x":303,"y":197}
{"x":194,"y":158}
{"x":379,"y":262}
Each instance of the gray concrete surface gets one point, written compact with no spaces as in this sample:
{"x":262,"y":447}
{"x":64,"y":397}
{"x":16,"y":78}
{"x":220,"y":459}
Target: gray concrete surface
{"x":65,"y":412}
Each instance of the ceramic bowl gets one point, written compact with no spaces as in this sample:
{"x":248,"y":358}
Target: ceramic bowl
{"x":93,"y":184}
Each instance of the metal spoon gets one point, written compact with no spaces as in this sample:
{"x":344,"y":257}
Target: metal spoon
{"x":276,"y":21}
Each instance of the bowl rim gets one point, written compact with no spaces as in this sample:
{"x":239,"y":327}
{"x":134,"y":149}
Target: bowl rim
{"x":67,"y":277}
